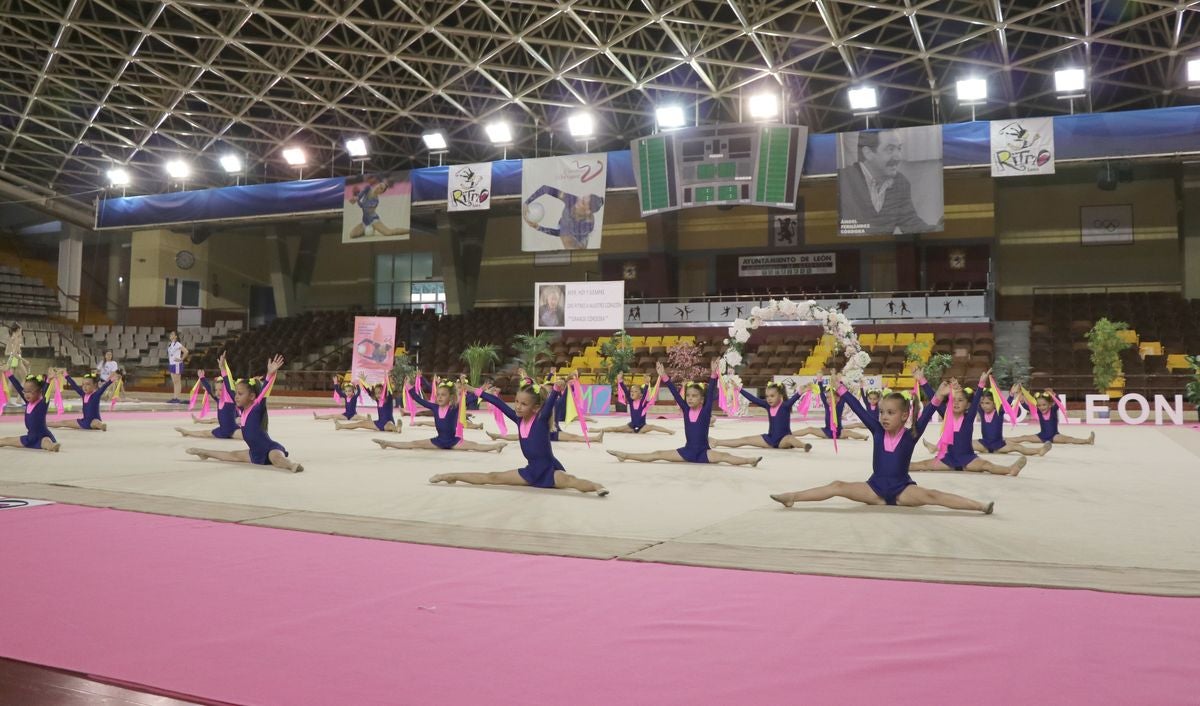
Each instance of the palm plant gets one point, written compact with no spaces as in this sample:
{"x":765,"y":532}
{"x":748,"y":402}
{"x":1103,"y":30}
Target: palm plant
{"x":532,"y":350}
{"x":477,"y":356}
{"x":618,"y":355}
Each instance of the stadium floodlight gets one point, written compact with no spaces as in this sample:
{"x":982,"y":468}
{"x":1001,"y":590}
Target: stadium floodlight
{"x":972,"y":90}
{"x":356,"y":147}
{"x":118,"y":176}
{"x":434,"y":140}
{"x":581,"y":124}
{"x":232,"y":164}
{"x":1070,"y":81}
{"x":863,"y":98}
{"x":670,"y":116}
{"x":178,"y":169}
{"x":763,"y":106}
{"x":499,"y":132}
{"x":1193,"y":72}
{"x":295,"y":157}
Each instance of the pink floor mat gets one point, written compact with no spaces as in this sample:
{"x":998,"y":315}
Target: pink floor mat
{"x":260,"y":616}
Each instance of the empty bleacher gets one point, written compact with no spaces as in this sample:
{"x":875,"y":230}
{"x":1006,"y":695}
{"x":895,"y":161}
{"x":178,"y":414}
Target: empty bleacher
{"x":22,"y":296}
{"x":146,"y":346}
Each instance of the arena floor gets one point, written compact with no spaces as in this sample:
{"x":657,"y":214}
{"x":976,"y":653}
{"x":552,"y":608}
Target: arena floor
{"x":1119,"y":516}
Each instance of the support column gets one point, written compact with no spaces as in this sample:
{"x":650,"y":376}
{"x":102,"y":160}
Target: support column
{"x":70,"y":270}
{"x":1189,"y":230}
{"x":281,"y":273}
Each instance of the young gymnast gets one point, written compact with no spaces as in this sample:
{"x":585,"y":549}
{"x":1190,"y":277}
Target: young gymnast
{"x":556,"y":434}
{"x":349,"y":394}
{"x":250,"y":396}
{"x":469,"y":423}
{"x":1047,"y":417}
{"x":532,"y":415}
{"x":826,"y":432}
{"x":637,"y":402}
{"x":991,"y":426}
{"x":697,"y":412}
{"x":227,"y":411}
{"x":779,"y":414}
{"x":890,"y":483}
{"x":960,"y":455}
{"x":91,"y":402}
{"x":33,"y":393}
{"x":445,"y":411}
{"x":385,"y":401}
{"x":870,"y":402}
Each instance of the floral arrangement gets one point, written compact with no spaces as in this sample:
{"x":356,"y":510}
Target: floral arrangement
{"x":835,"y":323}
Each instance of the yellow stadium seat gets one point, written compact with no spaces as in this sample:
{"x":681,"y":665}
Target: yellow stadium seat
{"x":638,"y":341}
{"x":885,"y":339}
{"x":669,"y":341}
{"x":653,"y":341}
{"x":578,"y":362}
{"x":1150,"y":348}
{"x":687,"y":339}
{"x":866,"y":340}
{"x":1178,"y":361}
{"x":925,"y":338}
{"x":1128,"y":335}
{"x":903,"y":339}
{"x":901,"y":383}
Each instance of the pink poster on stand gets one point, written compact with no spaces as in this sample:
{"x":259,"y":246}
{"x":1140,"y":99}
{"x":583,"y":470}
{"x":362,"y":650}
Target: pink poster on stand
{"x":374,"y":347}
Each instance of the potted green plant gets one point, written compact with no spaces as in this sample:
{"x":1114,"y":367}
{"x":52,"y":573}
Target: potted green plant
{"x":402,"y":367}
{"x":532,"y":350}
{"x":1106,"y":344}
{"x":1192,"y":392}
{"x":618,"y":354}
{"x":1010,"y":371}
{"x":477,"y":356}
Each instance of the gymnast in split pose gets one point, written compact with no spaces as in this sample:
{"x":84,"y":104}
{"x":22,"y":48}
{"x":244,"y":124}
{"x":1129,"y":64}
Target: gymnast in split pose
{"x":385,"y":402}
{"x":468,"y":423}
{"x":532,"y":412}
{"x":1047,"y":417}
{"x":779,"y":429}
{"x":556,"y":433}
{"x":91,"y":396}
{"x":445,"y":411}
{"x":827,"y":432}
{"x":959,"y":454}
{"x":991,"y":426}
{"x":890,"y":483}
{"x":348,"y":391}
{"x":31,"y":391}
{"x":638,"y":403}
{"x":250,"y":396}
{"x":227,"y":411}
{"x":870,"y":402}
{"x":697,"y":412}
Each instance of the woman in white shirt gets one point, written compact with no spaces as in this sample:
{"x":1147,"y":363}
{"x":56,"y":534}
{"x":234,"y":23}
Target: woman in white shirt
{"x":176,"y":354}
{"x":106,"y":367}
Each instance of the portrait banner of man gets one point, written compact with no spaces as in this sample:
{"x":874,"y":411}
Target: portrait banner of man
{"x":890,"y":182}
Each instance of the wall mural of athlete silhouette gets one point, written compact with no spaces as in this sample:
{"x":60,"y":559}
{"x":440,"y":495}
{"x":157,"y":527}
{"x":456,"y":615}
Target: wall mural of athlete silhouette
{"x":890,"y":182}
{"x":378,"y":207}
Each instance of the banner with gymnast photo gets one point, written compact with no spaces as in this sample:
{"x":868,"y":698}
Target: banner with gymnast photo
{"x":374,"y":347}
{"x":562,"y":202}
{"x":377,"y":208}
{"x":579,"y":305}
{"x":890,"y":182}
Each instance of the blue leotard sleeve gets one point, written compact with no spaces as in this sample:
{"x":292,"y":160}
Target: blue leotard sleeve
{"x":755,"y":400}
{"x":923,"y":420}
{"x":501,"y":405}
{"x":207,"y":387}
{"x":930,"y":393}
{"x":710,"y":396}
{"x":432,"y":406}
{"x":675,"y":393}
{"x":18,"y":387}
{"x":868,"y":420}
{"x":78,"y":390}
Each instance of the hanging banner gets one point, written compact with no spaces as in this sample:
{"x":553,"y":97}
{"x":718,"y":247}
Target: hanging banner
{"x":1022,"y":147}
{"x":374,"y":347}
{"x":579,"y":305}
{"x":378,"y":207}
{"x":562,"y":202}
{"x":890,"y":182}
{"x":824,"y":263}
{"x":469,"y":187}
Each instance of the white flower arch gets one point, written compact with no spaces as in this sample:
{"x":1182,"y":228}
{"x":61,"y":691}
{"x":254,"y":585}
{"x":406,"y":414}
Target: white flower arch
{"x":835,"y":323}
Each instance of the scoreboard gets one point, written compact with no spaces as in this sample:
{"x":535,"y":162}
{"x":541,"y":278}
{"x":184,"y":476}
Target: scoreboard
{"x":719,"y":165}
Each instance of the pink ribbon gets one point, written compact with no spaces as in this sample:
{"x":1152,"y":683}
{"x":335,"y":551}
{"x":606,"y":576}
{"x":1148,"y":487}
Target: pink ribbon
{"x":458,"y":413}
{"x":577,"y":391}
{"x":204,"y":409}
{"x":723,"y":400}
{"x":196,"y":389}
{"x":947,"y":435}
{"x":833,"y":420}
{"x":621,"y":394}
{"x":651,"y":397}
{"x":3,"y":395}
{"x":1008,"y":408}
{"x":1063,"y":408}
{"x":58,"y":400}
{"x":266,"y":390}
{"x":805,"y":403}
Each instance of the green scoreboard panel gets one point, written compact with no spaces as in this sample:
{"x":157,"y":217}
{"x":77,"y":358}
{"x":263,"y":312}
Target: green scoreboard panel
{"x":719,"y":165}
